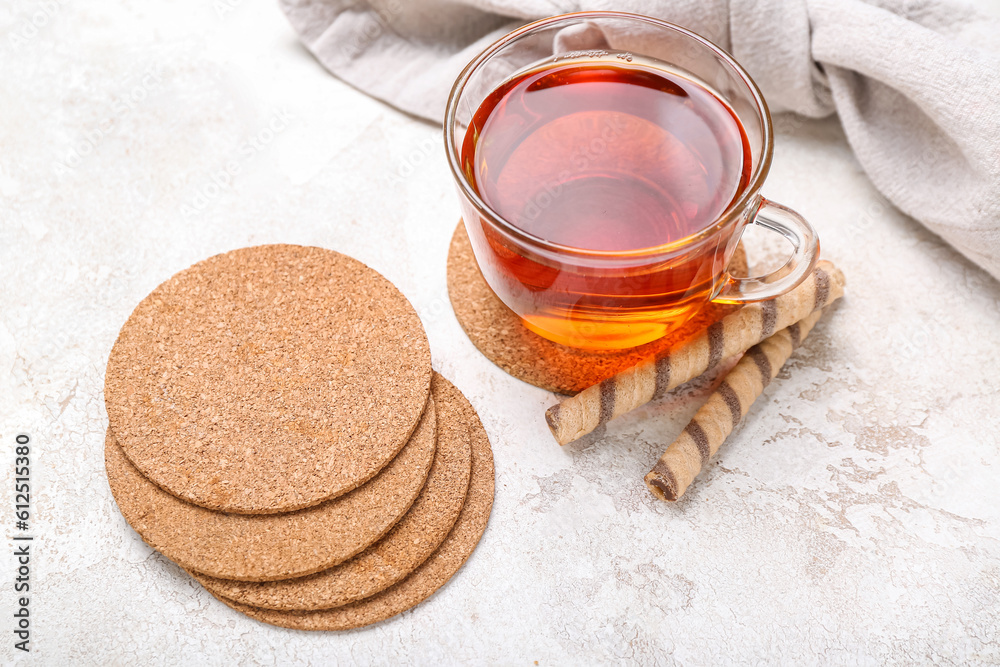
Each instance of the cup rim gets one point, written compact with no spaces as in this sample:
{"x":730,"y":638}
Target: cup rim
{"x":738,"y":205}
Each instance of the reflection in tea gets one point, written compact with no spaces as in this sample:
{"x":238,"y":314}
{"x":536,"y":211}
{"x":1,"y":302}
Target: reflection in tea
{"x":613,"y":156}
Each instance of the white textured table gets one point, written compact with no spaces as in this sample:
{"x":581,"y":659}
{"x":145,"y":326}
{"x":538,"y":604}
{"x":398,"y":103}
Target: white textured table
{"x":853,"y":518}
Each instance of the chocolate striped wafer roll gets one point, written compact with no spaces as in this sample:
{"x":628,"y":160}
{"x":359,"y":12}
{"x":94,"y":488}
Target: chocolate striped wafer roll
{"x":736,"y":333}
{"x":724,"y":410}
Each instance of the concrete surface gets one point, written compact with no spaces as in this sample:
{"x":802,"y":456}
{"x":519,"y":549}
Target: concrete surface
{"x":853,"y":518}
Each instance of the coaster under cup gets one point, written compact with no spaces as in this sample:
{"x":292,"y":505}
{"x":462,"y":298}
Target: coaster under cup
{"x":501,"y":336}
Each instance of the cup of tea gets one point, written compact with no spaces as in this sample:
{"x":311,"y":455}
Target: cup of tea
{"x":607,"y":165}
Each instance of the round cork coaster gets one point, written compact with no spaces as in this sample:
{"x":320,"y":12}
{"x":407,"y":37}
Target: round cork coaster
{"x":406,"y":546}
{"x":265,"y":547}
{"x":268,"y":379}
{"x":499,"y":334}
{"x":427,"y":578}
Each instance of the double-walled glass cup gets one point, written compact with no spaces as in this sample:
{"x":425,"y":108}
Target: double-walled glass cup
{"x":607,"y":300}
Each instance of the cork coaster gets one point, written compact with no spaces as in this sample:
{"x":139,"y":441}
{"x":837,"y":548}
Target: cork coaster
{"x":268,"y":379}
{"x":271,"y":546}
{"x":499,"y":334}
{"x":406,"y":546}
{"x":427,"y":578}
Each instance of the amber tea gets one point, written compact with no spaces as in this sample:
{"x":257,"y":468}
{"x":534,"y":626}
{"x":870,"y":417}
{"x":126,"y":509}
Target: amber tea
{"x":615,"y":157}
{"x":605,"y":191}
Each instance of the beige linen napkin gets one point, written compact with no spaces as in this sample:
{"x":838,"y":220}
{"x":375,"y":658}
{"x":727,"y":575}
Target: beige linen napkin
{"x":916,"y":83}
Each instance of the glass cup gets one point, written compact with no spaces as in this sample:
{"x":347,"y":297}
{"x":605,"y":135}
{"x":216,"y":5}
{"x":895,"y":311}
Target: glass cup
{"x":606,"y":300}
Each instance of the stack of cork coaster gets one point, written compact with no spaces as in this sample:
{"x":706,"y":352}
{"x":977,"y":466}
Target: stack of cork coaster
{"x":275,"y":429}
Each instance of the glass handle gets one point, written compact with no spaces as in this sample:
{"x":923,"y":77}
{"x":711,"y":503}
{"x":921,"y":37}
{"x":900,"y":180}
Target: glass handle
{"x":805,"y":244}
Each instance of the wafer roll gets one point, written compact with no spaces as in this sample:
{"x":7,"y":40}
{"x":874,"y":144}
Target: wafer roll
{"x":724,"y":410}
{"x":734,"y":334}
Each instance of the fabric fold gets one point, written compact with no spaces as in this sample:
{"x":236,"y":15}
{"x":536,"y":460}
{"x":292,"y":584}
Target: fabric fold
{"x":916,"y":83}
